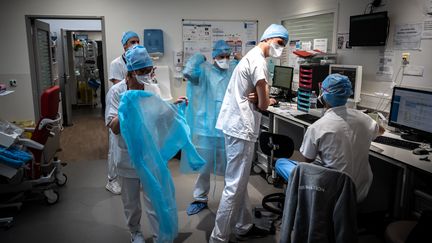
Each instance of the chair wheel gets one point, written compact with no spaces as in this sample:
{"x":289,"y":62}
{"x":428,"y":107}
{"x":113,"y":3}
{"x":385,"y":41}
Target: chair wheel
{"x":61,"y":179}
{"x":51,"y":196}
{"x":270,"y":179}
{"x":256,"y":169}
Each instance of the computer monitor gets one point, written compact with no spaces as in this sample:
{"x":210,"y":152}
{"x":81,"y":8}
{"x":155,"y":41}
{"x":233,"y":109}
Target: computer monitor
{"x":411,"y":110}
{"x":282,"y":77}
{"x":354,"y":73}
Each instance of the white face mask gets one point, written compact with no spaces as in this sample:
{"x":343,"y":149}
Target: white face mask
{"x":275,"y":50}
{"x":143,"y":79}
{"x":222,"y":63}
{"x":132,"y":46}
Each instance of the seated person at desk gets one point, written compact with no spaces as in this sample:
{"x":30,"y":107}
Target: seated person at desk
{"x":341,"y":138}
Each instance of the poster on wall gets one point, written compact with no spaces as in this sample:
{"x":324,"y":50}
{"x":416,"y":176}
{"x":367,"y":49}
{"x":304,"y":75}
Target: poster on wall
{"x":408,"y":36}
{"x":427,"y":28}
{"x":320,"y":44}
{"x":385,"y":65}
{"x":200,"y":36}
{"x":196,"y":38}
{"x":343,"y":41}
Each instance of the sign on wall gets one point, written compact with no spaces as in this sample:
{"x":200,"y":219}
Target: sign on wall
{"x":200,"y":35}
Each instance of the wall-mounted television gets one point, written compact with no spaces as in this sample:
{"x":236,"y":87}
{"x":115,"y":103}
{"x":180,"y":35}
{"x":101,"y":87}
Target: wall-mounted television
{"x":369,"y":29}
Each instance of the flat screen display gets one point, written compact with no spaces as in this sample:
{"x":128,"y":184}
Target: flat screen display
{"x":368,"y":29}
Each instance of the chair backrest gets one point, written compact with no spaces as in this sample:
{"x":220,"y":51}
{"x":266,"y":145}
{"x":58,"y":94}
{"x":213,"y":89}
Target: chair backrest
{"x":284,"y":143}
{"x":50,"y":102}
{"x":49,"y":109}
{"x":320,"y":206}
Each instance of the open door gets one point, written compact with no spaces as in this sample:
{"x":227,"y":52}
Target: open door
{"x":68,"y":75}
{"x":42,"y":61}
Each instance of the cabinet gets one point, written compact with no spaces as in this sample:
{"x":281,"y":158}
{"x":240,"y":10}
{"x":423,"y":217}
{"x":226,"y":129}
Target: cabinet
{"x":310,"y":78}
{"x":261,"y":159}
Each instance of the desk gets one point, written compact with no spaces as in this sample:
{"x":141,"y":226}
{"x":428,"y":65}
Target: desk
{"x":282,"y":121}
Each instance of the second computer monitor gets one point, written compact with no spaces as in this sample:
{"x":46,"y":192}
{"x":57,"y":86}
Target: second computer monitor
{"x":282,"y":77}
{"x":354,"y":73}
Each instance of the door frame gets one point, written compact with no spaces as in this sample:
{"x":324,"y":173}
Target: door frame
{"x":29,"y":21}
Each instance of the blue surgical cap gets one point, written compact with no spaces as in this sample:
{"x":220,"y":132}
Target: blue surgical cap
{"x":220,"y":47}
{"x":275,"y":30}
{"x":336,"y":89}
{"x":138,"y":58}
{"x":127,"y":35}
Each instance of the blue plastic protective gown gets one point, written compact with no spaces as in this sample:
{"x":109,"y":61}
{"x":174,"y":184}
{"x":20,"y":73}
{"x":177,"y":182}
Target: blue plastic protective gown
{"x":205,"y":90}
{"x":154,"y":131}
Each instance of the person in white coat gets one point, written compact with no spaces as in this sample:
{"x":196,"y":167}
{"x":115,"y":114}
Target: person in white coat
{"x":140,"y":68}
{"x":341,"y":138}
{"x":239,"y":119}
{"x":117,"y":72}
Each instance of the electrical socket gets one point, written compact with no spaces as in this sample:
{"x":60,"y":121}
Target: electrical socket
{"x":12,"y":83}
{"x":405,"y":58}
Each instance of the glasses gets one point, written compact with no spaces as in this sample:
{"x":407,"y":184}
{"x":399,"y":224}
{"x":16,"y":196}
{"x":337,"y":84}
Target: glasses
{"x":281,"y":42}
{"x":223,"y":56}
{"x":133,"y":42}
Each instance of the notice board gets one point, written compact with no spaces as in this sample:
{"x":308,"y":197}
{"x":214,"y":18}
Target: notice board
{"x":200,"y":35}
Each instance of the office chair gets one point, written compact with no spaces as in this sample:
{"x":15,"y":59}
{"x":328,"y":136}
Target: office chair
{"x":410,"y":231}
{"x":320,"y":206}
{"x":275,"y":146}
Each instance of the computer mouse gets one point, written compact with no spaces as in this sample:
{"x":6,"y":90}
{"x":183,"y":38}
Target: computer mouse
{"x":420,"y":151}
{"x":276,"y":105}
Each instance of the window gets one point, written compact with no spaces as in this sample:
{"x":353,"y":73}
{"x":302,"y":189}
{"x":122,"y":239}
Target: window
{"x":312,"y":27}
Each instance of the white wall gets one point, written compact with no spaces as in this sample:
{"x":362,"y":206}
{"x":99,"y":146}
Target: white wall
{"x":119,"y":16}
{"x":400,"y":11}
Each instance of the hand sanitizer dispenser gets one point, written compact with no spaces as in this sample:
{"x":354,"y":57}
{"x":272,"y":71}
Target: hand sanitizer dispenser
{"x":153,"y":42}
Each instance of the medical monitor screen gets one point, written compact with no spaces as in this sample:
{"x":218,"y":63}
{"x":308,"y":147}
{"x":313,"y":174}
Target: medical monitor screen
{"x":368,"y":29}
{"x":350,"y":72}
{"x":411,"y":109}
{"x":282,"y":77}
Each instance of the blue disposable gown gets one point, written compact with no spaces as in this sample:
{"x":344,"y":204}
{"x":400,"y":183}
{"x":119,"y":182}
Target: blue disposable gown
{"x":154,"y":131}
{"x":205,"y":90}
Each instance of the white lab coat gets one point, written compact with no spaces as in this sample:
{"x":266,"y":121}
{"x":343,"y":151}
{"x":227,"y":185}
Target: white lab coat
{"x":130,"y":180}
{"x":112,"y":164}
{"x":239,"y":120}
{"x":341,"y":140}
{"x":238,"y":117}
{"x":122,"y":159}
{"x":118,"y":69}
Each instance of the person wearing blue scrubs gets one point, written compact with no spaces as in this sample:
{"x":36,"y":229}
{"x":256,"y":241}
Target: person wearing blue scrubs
{"x":207,"y":83}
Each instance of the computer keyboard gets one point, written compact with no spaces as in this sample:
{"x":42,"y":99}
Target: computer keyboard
{"x":396,"y":142}
{"x":307,"y":118}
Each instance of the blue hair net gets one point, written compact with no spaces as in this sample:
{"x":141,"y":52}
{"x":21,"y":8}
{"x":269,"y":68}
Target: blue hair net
{"x":206,"y":93}
{"x":221,"y":47}
{"x":127,"y":35}
{"x":275,"y":30}
{"x":336,"y":89}
{"x":137,"y":58}
{"x":154,"y":131}
{"x":192,"y":70}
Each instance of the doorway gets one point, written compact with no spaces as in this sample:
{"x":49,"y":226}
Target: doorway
{"x":70,"y":51}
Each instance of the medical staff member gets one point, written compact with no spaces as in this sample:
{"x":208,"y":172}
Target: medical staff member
{"x":341,"y":138}
{"x":139,"y":77}
{"x":118,"y":71}
{"x":239,"y":120}
{"x":206,"y":88}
